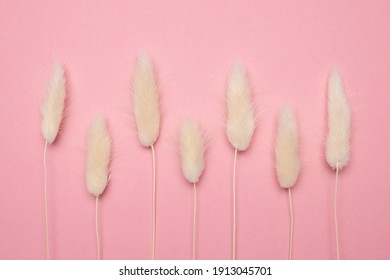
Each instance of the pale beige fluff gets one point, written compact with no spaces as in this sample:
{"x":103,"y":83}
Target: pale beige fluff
{"x":53,"y":104}
{"x":98,"y":156}
{"x":146,"y":103}
{"x":339,"y":122}
{"x":240,"y":111}
{"x":286,"y":150}
{"x":191,"y":151}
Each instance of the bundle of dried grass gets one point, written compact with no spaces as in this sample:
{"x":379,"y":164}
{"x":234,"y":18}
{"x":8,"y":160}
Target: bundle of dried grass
{"x":51,"y":116}
{"x":240,"y":125}
{"x":339,"y":130}
{"x":147,"y":118}
{"x":98,"y":161}
{"x":192,"y":158}
{"x":287,"y":159}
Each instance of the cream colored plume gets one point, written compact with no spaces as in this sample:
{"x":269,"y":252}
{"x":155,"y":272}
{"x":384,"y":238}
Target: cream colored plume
{"x":98,"y":156}
{"x":240,"y":111}
{"x":339,"y":122}
{"x":191,"y":151}
{"x":146,"y":103}
{"x":286,"y":150}
{"x":53,"y":104}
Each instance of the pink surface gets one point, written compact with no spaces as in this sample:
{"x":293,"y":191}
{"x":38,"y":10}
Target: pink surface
{"x":288,"y":48}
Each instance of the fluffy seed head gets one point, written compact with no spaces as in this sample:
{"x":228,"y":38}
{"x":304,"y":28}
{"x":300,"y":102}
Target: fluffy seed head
{"x":240,"y":112}
{"x":146,"y":103}
{"x":339,"y":122}
{"x":53,"y":104}
{"x":191,"y":151}
{"x":98,"y":156}
{"x":286,"y":151}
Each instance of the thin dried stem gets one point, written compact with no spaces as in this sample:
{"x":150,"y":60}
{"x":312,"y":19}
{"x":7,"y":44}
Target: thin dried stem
{"x":234,"y":206}
{"x":153,"y":204}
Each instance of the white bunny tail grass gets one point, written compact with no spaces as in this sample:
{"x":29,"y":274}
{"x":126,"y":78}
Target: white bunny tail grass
{"x":339,"y":123}
{"x":240,"y":110}
{"x":240,"y":125}
{"x":146,"y":102}
{"x":339,"y":130}
{"x":98,"y":161}
{"x":191,"y":151}
{"x":53,"y":104}
{"x":147,"y":118}
{"x":98,"y":156}
{"x":286,"y":150}
{"x":51,"y":115}
{"x":287,"y":158}
{"x":192,"y":158}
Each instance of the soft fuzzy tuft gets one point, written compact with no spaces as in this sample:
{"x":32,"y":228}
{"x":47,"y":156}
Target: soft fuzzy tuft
{"x":98,"y":156}
{"x":286,"y":151}
{"x":146,"y":103}
{"x":339,"y":122}
{"x":240,"y":111}
{"x":191,"y":151}
{"x":53,"y":104}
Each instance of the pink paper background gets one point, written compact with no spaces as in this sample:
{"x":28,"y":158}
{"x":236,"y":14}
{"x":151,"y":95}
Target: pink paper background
{"x":288,"y":48}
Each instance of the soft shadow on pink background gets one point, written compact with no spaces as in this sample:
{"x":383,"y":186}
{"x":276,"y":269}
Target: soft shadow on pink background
{"x":288,"y":48}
